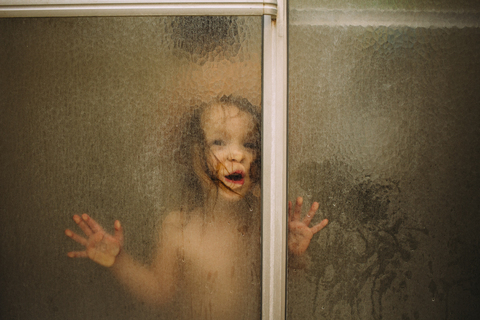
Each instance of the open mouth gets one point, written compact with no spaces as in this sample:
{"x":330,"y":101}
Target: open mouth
{"x":235,"y":177}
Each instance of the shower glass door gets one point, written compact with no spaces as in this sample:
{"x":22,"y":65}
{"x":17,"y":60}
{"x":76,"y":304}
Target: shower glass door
{"x":96,"y":117}
{"x":384,"y":135}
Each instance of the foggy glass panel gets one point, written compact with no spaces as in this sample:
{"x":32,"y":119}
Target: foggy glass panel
{"x":96,"y":116}
{"x":460,"y":5}
{"x":384,"y":135}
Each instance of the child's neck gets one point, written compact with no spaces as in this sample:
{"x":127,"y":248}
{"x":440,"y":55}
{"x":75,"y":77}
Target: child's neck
{"x":226,"y":209}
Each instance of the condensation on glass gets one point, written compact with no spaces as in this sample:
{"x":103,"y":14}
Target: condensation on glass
{"x":384,"y":134}
{"x":93,"y":115}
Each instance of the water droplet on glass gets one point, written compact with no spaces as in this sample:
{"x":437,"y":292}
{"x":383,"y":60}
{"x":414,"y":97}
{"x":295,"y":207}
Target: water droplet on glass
{"x":251,"y":209}
{"x":433,"y":299}
{"x":243,"y":234}
{"x":334,"y":205}
{"x":323,"y":307}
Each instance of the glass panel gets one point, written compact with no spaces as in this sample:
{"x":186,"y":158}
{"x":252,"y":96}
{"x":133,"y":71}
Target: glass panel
{"x":384,"y":134}
{"x":140,"y":120}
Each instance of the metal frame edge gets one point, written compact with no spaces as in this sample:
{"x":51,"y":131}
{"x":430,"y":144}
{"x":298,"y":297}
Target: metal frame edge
{"x":274,"y":159}
{"x":63,"y":8}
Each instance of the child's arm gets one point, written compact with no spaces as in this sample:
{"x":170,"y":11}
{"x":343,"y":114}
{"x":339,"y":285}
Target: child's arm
{"x":154,"y":284}
{"x":299,"y":232}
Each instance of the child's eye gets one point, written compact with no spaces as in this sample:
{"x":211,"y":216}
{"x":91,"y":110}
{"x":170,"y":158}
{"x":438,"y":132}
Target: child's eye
{"x":249,"y":145}
{"x":217,"y":143}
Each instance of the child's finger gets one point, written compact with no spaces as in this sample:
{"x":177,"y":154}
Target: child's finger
{"x":86,"y":229}
{"x":75,"y":237}
{"x":311,"y":213}
{"x":319,"y":226}
{"x":77,"y":254}
{"x":92,"y":223}
{"x":298,"y":209}
{"x":118,"y":231}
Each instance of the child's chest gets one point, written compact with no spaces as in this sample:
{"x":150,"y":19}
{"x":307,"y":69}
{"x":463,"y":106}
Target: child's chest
{"x":222,"y":269}
{"x":215,"y":252}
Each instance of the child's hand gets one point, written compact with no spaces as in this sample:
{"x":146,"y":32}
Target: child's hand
{"x":100,"y":246}
{"x":299,"y":233}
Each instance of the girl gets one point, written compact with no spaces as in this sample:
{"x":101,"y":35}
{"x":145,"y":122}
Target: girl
{"x":208,"y":259}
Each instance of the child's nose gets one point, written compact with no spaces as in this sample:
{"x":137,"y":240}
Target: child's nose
{"x":236,"y":154}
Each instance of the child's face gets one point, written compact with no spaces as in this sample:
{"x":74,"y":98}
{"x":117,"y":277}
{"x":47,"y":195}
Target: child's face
{"x":230,"y":148}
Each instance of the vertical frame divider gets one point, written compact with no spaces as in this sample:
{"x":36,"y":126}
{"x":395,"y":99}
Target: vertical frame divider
{"x":274,"y":164}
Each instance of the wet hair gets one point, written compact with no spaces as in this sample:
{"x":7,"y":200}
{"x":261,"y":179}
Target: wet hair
{"x":197,"y":177}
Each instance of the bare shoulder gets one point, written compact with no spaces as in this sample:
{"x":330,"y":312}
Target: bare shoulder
{"x":179,"y":220}
{"x":173,"y":223}
{"x":176,"y":226}
{"x":174,"y":219}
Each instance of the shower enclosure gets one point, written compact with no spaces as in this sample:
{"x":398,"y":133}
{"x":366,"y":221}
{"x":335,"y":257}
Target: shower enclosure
{"x":382,"y":130}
